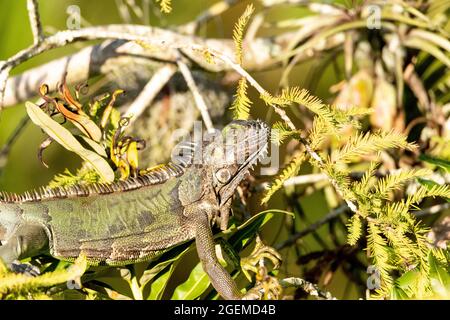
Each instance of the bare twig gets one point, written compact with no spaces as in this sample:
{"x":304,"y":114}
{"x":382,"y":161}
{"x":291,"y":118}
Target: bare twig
{"x":305,"y":179}
{"x":35,"y":21}
{"x":4,"y":151}
{"x":417,"y":87}
{"x":93,"y":60}
{"x":310,"y":288}
{"x":199,"y":101}
{"x":149,"y":92}
{"x":4,"y":74}
{"x":311,"y":228}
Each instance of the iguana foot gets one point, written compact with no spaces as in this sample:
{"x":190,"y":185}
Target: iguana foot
{"x":260,"y":252}
{"x":25,"y":268}
{"x":266,"y":288}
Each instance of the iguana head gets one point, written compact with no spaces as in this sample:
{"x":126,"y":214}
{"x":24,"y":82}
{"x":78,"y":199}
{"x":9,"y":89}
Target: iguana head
{"x":232,"y":153}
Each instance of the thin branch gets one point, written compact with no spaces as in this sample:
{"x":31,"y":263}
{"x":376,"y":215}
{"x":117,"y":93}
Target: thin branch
{"x":305,"y":179}
{"x":35,"y":21}
{"x":310,"y":288}
{"x":4,"y":151}
{"x":313,"y":227}
{"x":4,"y":74}
{"x":199,"y":101}
{"x":150,"y":91}
{"x":91,"y":61}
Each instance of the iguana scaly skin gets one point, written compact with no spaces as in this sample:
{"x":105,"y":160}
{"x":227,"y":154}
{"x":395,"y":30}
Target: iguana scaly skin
{"x":134,"y":220}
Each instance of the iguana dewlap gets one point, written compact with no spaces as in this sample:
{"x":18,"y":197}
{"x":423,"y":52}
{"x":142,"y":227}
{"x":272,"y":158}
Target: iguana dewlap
{"x":134,"y":220}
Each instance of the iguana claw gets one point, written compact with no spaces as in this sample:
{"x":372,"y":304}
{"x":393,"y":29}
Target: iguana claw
{"x":260,"y":252}
{"x":25,"y":268}
{"x":266,"y":288}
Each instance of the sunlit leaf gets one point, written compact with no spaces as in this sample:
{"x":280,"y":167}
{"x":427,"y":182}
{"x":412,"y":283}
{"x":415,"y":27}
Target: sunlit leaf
{"x":444,"y":164}
{"x":194,"y":286}
{"x":68,"y":141}
{"x":159,"y":285}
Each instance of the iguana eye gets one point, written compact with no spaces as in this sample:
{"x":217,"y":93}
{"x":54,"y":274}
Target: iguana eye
{"x":223,"y":175}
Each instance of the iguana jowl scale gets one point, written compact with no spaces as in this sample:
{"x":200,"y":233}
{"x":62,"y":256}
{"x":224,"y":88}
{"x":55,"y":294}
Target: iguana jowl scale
{"x":136,"y":219}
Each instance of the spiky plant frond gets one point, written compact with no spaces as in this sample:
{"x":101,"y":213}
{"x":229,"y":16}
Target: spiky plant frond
{"x":241,"y":104}
{"x":238,"y":32}
{"x":288,"y":172}
{"x":165,"y":5}
{"x":354,"y":230}
{"x":362,"y":144}
{"x":395,"y":181}
{"x":280,"y":132}
{"x":378,"y":250}
{"x":14,"y":284}
{"x":84,"y":175}
{"x":304,"y":98}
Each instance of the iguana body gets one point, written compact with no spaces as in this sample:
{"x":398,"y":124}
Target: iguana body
{"x":134,"y":220}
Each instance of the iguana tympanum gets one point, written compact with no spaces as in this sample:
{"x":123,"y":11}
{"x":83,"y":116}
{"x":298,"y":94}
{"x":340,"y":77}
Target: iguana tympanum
{"x":134,"y":220}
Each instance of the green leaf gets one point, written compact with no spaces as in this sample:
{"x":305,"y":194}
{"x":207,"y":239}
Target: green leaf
{"x":432,"y":37}
{"x":408,"y":280}
{"x":159,"y":285}
{"x":68,"y":141}
{"x":444,"y":164}
{"x":247,"y":230}
{"x":424,"y":45}
{"x":440,"y":277}
{"x":167,"y":258}
{"x":194,"y":286}
{"x":95,"y":146}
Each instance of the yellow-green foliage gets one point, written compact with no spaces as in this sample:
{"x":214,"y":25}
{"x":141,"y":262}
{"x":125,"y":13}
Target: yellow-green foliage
{"x":396,"y":242}
{"x":354,"y":229}
{"x":289,"y":171}
{"x":67,"y":179}
{"x":165,"y":5}
{"x":362,"y":144}
{"x":301,"y":97}
{"x":238,"y":32}
{"x":13,"y":285}
{"x":280,"y":132}
{"x":241,"y":104}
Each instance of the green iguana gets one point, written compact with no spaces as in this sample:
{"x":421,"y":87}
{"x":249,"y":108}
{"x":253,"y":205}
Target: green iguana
{"x":134,"y":220}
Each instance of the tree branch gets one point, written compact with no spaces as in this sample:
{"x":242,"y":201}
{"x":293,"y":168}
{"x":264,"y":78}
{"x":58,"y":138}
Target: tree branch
{"x":35,"y":21}
{"x":199,"y":101}
{"x":150,"y":91}
{"x":313,"y":227}
{"x":310,"y":288}
{"x":100,"y":59}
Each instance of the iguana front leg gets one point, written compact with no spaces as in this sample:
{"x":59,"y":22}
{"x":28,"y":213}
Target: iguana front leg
{"x":218,"y":275}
